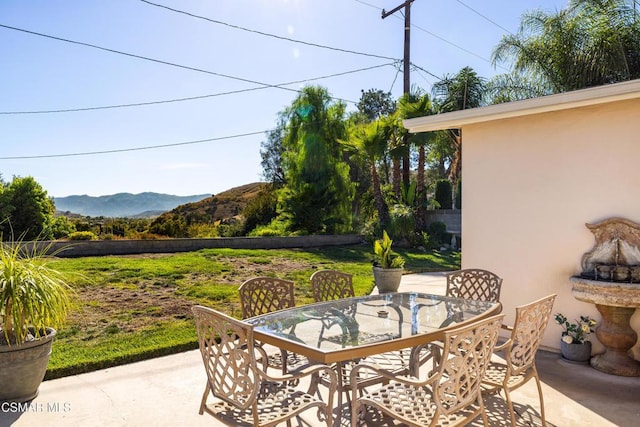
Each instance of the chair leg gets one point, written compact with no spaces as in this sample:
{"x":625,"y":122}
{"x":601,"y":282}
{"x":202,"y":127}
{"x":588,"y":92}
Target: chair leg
{"x":544,"y":421}
{"x":483,"y":411}
{"x":512,"y":412}
{"x":203,"y":403}
{"x":355,"y":412}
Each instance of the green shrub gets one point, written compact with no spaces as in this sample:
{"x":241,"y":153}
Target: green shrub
{"x":203,"y":231}
{"x":260,"y":211}
{"x":438,"y":234}
{"x":60,"y":227}
{"x":275,"y":228}
{"x":82,"y":235}
{"x":443,"y":194}
{"x":402,"y":222}
{"x":459,"y":194}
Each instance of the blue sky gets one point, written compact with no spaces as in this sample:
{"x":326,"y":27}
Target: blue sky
{"x":43,"y":74}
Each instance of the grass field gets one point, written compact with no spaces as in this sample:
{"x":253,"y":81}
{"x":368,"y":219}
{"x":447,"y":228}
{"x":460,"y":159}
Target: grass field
{"x":129,"y":308}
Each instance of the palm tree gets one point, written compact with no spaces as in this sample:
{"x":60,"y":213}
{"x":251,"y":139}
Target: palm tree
{"x":590,"y":43}
{"x":418,"y":104}
{"x":369,"y":140}
{"x":464,"y":90}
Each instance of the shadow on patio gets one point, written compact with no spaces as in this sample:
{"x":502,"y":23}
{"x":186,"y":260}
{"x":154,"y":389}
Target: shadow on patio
{"x":166,"y":391}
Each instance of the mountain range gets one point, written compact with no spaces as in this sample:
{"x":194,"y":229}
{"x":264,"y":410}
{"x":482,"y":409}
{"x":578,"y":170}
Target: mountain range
{"x":122,"y":205}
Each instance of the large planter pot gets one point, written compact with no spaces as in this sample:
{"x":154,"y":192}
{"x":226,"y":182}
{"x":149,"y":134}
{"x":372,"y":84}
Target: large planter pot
{"x":576,"y":352}
{"x":22,"y":368}
{"x":387,"y":279}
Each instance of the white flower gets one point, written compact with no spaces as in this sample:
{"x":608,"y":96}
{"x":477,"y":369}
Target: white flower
{"x":567,"y":339}
{"x":585,"y":328}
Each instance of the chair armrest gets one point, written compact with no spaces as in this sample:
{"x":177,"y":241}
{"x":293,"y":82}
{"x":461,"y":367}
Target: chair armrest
{"x":507,"y":327}
{"x":301,"y":373}
{"x":384,"y":374}
{"x":504,"y":345}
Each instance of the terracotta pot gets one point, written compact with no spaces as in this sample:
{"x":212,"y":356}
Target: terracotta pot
{"x":576,"y":352}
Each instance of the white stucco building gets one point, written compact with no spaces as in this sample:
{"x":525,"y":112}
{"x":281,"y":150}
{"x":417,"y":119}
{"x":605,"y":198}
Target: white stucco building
{"x":533,"y":173}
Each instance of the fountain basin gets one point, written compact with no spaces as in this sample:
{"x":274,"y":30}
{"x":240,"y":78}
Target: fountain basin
{"x":616,"y":302}
{"x":618,"y":294}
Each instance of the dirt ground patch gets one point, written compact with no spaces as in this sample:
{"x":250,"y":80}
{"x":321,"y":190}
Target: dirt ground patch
{"x":132,"y":305}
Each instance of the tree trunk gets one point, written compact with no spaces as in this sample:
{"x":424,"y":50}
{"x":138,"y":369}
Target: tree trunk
{"x":420,"y":189}
{"x":397,"y":178}
{"x":381,"y":206}
{"x":456,"y":164}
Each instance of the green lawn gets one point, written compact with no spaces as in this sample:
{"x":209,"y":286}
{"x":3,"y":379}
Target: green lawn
{"x":129,"y":308}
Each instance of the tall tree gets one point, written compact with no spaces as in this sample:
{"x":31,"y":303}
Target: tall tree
{"x":459,"y":92}
{"x":318,"y":192}
{"x":374,"y":104}
{"x":271,"y":152}
{"x":589,"y":43}
{"x":28,"y":210}
{"x":369,"y":141}
{"x":418,"y":104}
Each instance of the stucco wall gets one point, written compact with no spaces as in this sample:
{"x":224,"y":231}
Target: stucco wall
{"x":530,"y":185}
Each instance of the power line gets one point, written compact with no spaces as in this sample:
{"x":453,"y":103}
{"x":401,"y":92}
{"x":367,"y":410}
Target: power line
{"x":451,"y":43}
{"x":262,"y":33}
{"x":426,"y":71}
{"x":159,"y":61}
{"x":425,"y":79}
{"x":436,"y":35}
{"x":483,"y":16}
{"x":125,"y":150}
{"x":192,"y":98}
{"x":393,"y":83}
{"x":367,"y":4}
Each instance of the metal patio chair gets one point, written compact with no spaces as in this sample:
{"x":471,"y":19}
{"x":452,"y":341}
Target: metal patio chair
{"x":474,"y":283}
{"x":329,"y":285}
{"x":246,"y":394}
{"x":449,"y":395}
{"x":261,"y":295}
{"x":519,"y":352}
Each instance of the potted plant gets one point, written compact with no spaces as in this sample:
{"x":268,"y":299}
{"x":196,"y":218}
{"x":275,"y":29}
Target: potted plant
{"x":34,"y":299}
{"x":574,"y":344}
{"x":387,"y":265}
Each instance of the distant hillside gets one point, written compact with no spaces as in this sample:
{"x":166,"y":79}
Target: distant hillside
{"x":221,"y":206}
{"x":123,"y":204}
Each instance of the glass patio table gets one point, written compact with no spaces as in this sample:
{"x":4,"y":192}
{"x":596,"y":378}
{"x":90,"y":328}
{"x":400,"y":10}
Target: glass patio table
{"x":353,"y":328}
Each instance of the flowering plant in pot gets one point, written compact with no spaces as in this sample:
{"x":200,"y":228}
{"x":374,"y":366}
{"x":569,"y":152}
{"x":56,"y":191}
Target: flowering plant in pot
{"x":387,"y":265}
{"x":575,"y":344}
{"x":34,"y":299}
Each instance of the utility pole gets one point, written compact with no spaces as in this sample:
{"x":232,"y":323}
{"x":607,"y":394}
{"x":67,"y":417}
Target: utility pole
{"x":406,"y":68}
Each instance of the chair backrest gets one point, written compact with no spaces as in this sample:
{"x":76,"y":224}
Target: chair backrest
{"x":465,"y":357}
{"x":328,"y":285}
{"x":474,"y":283}
{"x":528,"y":329}
{"x":227,"y":350}
{"x":262,"y":295}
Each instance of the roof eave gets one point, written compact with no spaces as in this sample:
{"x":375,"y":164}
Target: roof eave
{"x":562,"y":101}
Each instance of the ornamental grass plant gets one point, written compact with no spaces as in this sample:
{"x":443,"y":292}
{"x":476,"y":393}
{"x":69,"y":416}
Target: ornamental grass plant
{"x":33,"y":295}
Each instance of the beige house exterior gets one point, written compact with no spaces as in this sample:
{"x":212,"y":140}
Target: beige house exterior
{"x":534,"y":172}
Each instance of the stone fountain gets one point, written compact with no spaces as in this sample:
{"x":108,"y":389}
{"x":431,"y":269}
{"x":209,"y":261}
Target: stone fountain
{"x":610,"y":279}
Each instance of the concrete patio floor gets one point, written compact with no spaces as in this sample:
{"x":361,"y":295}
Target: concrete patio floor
{"x":166,"y":391}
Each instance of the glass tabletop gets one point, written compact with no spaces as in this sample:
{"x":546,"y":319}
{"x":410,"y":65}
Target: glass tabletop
{"x":345,"y":328}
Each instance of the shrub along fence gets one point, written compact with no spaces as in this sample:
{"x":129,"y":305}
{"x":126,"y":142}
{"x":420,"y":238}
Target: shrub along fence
{"x":129,"y":247}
